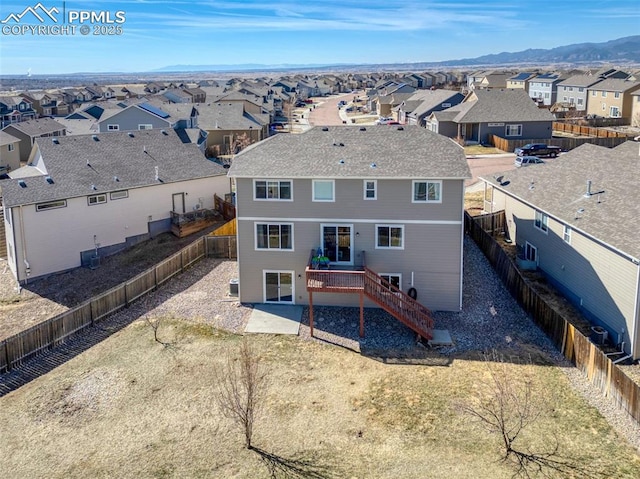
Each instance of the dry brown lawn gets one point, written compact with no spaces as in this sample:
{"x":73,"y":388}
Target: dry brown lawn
{"x":131,"y":408}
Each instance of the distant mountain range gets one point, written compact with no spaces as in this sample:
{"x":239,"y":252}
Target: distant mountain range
{"x":620,"y":51}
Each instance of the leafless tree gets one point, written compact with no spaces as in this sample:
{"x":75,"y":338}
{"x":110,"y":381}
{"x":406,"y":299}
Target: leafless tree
{"x":242,"y":381}
{"x":510,"y":405}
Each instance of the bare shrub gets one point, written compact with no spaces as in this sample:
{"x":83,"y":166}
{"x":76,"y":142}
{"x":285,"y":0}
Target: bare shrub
{"x":242,"y":386}
{"x":510,"y":404}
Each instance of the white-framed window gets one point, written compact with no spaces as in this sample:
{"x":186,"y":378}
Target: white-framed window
{"x":324,"y":190}
{"x":370,"y":189}
{"x":541,"y":221}
{"x":389,"y":236}
{"x":10,"y":147}
{"x":394,"y":279}
{"x":594,"y":93}
{"x":97,"y":199}
{"x":604,"y":94}
{"x":426,"y":191}
{"x":145,"y":126}
{"x":51,"y":205}
{"x":530,"y":252}
{"x":570,"y":88}
{"x":580,"y":102}
{"x":546,"y":95}
{"x":564,"y":99}
{"x":572,"y":100}
{"x":113,"y":127}
{"x":566,"y":234}
{"x":513,"y":130}
{"x":118,"y":195}
{"x":614,"y":112}
{"x":272,"y":190}
{"x":274,"y":236}
{"x":581,"y":89}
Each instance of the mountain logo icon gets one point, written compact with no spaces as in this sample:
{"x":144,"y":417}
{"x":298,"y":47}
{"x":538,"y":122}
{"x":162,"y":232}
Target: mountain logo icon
{"x":38,"y":11}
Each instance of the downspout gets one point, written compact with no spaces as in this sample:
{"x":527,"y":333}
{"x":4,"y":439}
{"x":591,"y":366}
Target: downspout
{"x":636,"y":314}
{"x":24,"y":249}
{"x":462,"y":249}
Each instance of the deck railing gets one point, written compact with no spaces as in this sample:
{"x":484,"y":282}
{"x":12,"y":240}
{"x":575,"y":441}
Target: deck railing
{"x":366,"y":281}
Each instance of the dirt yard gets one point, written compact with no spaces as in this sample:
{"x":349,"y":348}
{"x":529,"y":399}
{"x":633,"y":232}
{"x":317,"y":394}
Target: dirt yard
{"x":44,"y":298}
{"x":132,"y":408}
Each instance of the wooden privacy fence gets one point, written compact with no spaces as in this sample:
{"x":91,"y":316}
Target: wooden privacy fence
{"x":222,"y":246}
{"x":23,"y":346}
{"x":566,"y":144}
{"x":574,"y":345}
{"x":584,"y":130}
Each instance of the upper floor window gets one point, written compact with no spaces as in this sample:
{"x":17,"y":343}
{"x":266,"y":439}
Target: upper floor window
{"x":51,"y":205}
{"x":604,"y":94}
{"x":145,"y":126}
{"x":580,"y":89}
{"x":274,"y":236}
{"x":570,"y":88}
{"x":390,"y":236}
{"x":272,"y":190}
{"x":97,"y":199}
{"x":594,"y":93}
{"x":118,"y":195}
{"x":370,"y":189}
{"x":427,"y":191}
{"x":10,"y":147}
{"x":541,"y":221}
{"x":566,"y":235}
{"x":616,"y":94}
{"x":513,"y":130}
{"x":324,"y":190}
{"x":113,"y":127}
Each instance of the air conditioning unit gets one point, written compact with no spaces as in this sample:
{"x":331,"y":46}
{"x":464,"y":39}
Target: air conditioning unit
{"x":198,"y":206}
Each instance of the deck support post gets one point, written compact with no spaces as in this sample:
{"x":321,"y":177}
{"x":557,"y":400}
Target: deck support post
{"x":311,"y":312}
{"x":362,"y":314}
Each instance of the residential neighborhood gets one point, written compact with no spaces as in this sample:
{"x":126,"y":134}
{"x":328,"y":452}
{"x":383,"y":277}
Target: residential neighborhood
{"x":405,"y":251}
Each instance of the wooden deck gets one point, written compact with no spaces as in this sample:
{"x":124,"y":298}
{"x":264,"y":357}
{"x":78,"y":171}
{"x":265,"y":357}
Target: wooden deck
{"x":185,"y":224}
{"x":366,"y":282}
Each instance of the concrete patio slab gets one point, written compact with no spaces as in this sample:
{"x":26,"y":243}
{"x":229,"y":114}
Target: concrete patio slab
{"x":441,"y":337}
{"x":274,"y":319}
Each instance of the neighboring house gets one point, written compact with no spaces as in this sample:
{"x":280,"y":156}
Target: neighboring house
{"x":415,"y":109}
{"x":573,"y":91}
{"x":394,"y":195}
{"x":576,"y":220}
{"x":612,"y":98}
{"x":491,"y":82}
{"x":29,"y":131}
{"x":14,"y":109}
{"x":520,"y":81}
{"x":100,"y":193}
{"x":483,"y":113}
{"x":543,"y":88}
{"x":635,"y":108}
{"x":229,"y":127}
{"x":9,"y":152}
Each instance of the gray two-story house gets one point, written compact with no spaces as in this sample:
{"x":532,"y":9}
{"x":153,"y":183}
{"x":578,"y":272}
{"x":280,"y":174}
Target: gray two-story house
{"x":575,"y":219}
{"x":386,"y":199}
{"x":574,"y":90}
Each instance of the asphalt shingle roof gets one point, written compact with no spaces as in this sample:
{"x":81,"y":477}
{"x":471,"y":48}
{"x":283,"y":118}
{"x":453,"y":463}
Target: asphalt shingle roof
{"x":76,"y":163}
{"x":350,"y":152}
{"x":559,"y":188}
{"x":500,"y":106}
{"x":7,"y":139}
{"x":225,"y":116}
{"x":615,"y":84}
{"x":38,"y":127}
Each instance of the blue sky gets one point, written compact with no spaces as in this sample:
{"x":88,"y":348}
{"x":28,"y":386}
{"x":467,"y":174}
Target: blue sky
{"x":157,"y":33}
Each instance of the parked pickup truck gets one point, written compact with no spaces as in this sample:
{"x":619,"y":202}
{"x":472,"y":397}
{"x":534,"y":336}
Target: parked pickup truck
{"x":538,"y":149}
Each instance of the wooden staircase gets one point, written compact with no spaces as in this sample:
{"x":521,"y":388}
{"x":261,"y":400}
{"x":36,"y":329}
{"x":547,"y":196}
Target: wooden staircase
{"x":367,"y":282}
{"x":398,"y":304}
